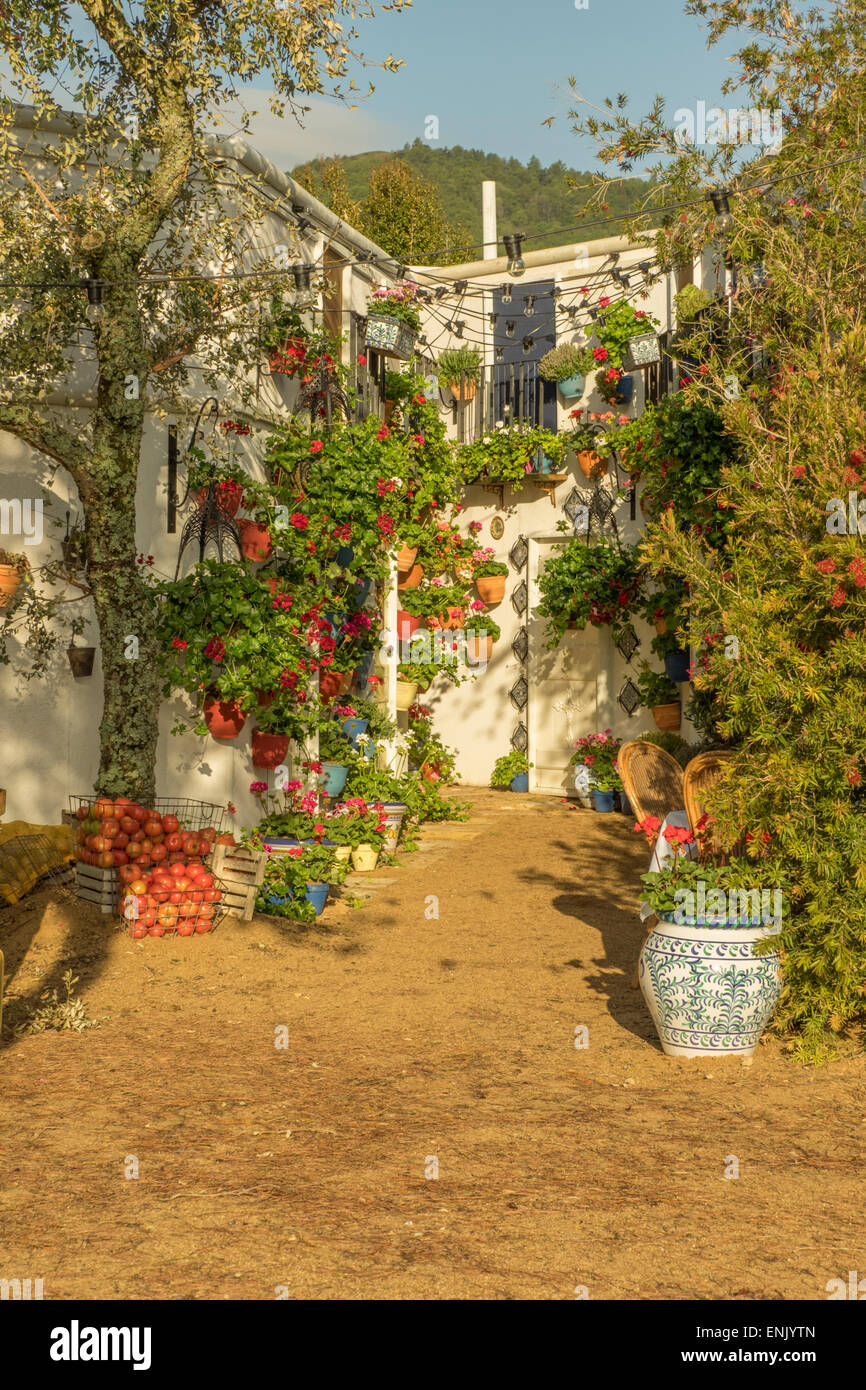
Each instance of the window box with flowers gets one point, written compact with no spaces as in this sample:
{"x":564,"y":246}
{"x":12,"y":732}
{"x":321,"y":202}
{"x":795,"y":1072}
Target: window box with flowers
{"x":393,"y":319}
{"x":507,"y":455}
{"x":594,"y":582}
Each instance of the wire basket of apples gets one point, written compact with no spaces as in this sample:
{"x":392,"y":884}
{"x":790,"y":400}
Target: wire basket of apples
{"x":183,"y":898}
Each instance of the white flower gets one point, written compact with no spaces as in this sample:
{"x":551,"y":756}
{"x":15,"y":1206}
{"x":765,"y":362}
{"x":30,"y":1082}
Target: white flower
{"x":398,"y":482}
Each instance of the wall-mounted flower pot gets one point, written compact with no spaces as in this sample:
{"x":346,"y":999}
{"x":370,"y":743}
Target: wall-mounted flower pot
{"x":661,"y":626}
{"x":265,"y":698}
{"x":317,"y":894}
{"x":344,"y":682}
{"x":329,"y":684}
{"x":81,"y":660}
{"x":354,"y":728}
{"x":406,"y":558}
{"x":491,"y":588}
{"x":572,"y":388}
{"x":390,"y":335}
{"x":411,"y":578}
{"x":389,"y":411}
{"x":602,"y":801}
{"x":224,"y":718}
{"x":364,"y":858}
{"x":10,"y":583}
{"x":625,"y":389}
{"x":520,"y":782}
{"x":668,"y":717}
{"x":406,"y":692}
{"x":407,"y":624}
{"x":591,"y":464}
{"x":256,"y":543}
{"x":332,"y":778}
{"x":677,"y":665}
{"x":479,"y":650}
{"x":269,"y":750}
{"x":642,"y":351}
{"x":345,"y":555}
{"x":364,"y":667}
{"x":467,"y":393}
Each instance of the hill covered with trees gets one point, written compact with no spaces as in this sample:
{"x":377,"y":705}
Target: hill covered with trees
{"x":532,"y":198}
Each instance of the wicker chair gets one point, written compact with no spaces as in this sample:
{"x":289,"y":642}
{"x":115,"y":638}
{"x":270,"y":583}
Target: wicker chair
{"x":702,"y":773}
{"x":652,"y":779}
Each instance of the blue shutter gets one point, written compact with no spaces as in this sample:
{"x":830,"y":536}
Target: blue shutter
{"x":515,"y":366}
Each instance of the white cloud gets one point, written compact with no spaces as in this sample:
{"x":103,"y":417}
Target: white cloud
{"x":328,"y":129}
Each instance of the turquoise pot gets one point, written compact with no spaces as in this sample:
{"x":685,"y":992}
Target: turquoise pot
{"x":317,"y":894}
{"x":333,"y":778}
{"x":520,"y":782}
{"x":572,"y":388}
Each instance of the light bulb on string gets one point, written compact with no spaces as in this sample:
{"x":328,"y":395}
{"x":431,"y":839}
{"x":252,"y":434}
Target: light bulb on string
{"x":516,"y":264}
{"x":95,"y":311}
{"x":722,"y":209}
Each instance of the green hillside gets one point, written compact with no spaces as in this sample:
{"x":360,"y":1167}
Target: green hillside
{"x":531,"y":198}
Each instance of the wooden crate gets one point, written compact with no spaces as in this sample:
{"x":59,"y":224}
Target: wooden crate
{"x":98,"y":886}
{"x":239,"y":874}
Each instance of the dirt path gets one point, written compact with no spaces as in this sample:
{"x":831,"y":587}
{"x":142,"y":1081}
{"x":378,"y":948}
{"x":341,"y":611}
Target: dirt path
{"x":413,"y":1038}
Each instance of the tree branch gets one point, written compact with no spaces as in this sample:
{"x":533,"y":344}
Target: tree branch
{"x":49,"y":437}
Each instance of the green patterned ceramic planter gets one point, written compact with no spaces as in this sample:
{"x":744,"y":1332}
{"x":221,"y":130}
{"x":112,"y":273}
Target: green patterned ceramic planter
{"x":708,"y":993}
{"x":390,"y":335}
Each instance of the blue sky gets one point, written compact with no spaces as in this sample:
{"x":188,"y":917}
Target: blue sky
{"x":493,"y":70}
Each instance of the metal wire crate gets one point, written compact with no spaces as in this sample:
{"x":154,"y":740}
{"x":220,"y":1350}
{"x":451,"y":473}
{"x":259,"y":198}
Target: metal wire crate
{"x":32,"y":861}
{"x":192,"y":815}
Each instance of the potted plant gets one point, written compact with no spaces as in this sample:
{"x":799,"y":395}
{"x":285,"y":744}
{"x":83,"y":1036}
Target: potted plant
{"x":592,"y":582}
{"x":284,"y":337}
{"x":708,"y":970}
{"x":512,"y":770}
{"x":598,"y":753}
{"x":320,"y":870}
{"x":334,"y":756}
{"x":461,"y":368}
{"x":504,"y":455}
{"x":585,"y":435}
{"x":81,"y":659}
{"x":481,"y":633}
{"x":13,"y":567}
{"x":659,"y":695}
{"x":291,"y":816}
{"x":567,"y":365}
{"x":550,"y":452}
{"x":393,"y":319}
{"x":489,"y":575}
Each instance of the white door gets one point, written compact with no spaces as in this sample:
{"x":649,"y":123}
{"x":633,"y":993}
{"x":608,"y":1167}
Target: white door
{"x":563,"y":686}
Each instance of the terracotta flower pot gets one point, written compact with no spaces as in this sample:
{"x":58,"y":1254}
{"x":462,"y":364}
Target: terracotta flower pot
{"x":455,"y":620}
{"x":407,"y":623}
{"x":431,"y":774}
{"x":491,"y":588}
{"x":468,"y":392}
{"x":668,"y":717}
{"x":228,"y":499}
{"x":592,"y":465}
{"x":81,"y":660}
{"x":479,"y":650}
{"x":256,"y":543}
{"x":224,"y":718}
{"x":412,"y":578}
{"x":345,"y":682}
{"x":10,"y":582}
{"x":269,"y":750}
{"x":406,"y":557}
{"x":661,"y":626}
{"x":329,"y":684}
{"x":265,"y":698}
{"x":389,"y":411}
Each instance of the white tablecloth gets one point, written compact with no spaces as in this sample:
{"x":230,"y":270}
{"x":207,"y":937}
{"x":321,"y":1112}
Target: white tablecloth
{"x":662,"y":851}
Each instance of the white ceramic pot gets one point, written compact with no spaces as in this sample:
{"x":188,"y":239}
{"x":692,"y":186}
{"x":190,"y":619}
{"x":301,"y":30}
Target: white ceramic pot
{"x":343,"y":853}
{"x":708,"y":993}
{"x":364,"y":858}
{"x":406,"y":692}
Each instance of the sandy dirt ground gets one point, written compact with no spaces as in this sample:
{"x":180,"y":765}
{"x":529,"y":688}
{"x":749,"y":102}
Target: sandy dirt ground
{"x":431,"y":1031}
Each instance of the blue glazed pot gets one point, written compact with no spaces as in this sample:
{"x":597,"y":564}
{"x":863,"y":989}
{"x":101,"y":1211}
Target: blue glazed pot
{"x":364,"y":591}
{"x":345,"y":556}
{"x":333,"y":778}
{"x":317,"y":894}
{"x":353,"y":728}
{"x":364,"y":667}
{"x":602,"y":801}
{"x":625,"y":804}
{"x":280,"y":843}
{"x":625,"y":390}
{"x":279,"y":898}
{"x":520,"y":782}
{"x":677,"y":665}
{"x":572,"y":387}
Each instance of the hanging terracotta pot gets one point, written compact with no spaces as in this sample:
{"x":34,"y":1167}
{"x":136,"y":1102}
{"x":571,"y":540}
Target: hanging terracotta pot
{"x":389,"y":411}
{"x":224,"y":718}
{"x":467,"y":393}
{"x":265,"y":698}
{"x":455,"y":620}
{"x":412,"y":578}
{"x":229,"y":496}
{"x":256,"y":543}
{"x":269,"y":750}
{"x":592,"y":465}
{"x":407,"y":624}
{"x":329,"y":684}
{"x":406,"y":557}
{"x":661,"y":626}
{"x":491,"y":588}
{"x":10,"y":582}
{"x":479,"y":650}
{"x":81,"y":660}
{"x":667,"y":717}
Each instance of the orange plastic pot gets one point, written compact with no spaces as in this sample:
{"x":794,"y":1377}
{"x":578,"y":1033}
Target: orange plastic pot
{"x":224,"y":718}
{"x":592,"y":465}
{"x":256,"y":543}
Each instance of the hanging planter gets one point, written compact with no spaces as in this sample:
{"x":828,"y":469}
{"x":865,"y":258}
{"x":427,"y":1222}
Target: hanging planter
{"x":491,"y":589}
{"x":625,"y":389}
{"x":329,"y":684}
{"x":411,"y":578}
{"x":677,"y":666}
{"x":406,"y":693}
{"x":269,"y":750}
{"x":464,"y":391}
{"x":668,"y":717}
{"x":479,"y":650}
{"x":332,"y":779}
{"x":256,"y":543}
{"x":591,"y":464}
{"x":406,"y":558}
{"x":81,"y":660}
{"x":229,"y":496}
{"x":641,"y":351}
{"x":224,"y":718}
{"x":391,"y":336}
{"x":265,"y":698}
{"x":10,"y":581}
{"x":573,"y":387}
{"x":407,"y":624}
